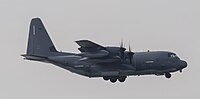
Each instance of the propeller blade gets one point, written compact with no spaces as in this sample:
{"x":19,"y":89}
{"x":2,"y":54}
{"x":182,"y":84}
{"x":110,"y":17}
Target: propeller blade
{"x":130,"y":54}
{"x":122,"y":44}
{"x":129,"y":47}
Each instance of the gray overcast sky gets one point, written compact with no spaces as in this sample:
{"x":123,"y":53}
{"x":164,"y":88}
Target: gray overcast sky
{"x":171,"y":25}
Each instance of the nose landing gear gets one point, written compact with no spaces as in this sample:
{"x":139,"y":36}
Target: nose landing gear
{"x":168,"y":75}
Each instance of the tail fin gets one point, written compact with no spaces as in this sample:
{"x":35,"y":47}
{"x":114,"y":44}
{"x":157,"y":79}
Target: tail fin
{"x":39,"y":42}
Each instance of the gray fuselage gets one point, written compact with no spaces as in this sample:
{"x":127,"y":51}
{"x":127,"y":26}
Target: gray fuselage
{"x":143,"y":63}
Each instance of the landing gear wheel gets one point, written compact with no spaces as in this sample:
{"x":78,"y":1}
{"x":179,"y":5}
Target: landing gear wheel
{"x":106,"y":78}
{"x":122,"y":79}
{"x":168,"y":75}
{"x":113,"y":79}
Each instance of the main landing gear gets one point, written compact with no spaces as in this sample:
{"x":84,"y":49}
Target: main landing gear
{"x":113,"y":79}
{"x":168,"y":75}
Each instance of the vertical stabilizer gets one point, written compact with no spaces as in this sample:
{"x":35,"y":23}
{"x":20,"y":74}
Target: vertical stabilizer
{"x":39,"y":42}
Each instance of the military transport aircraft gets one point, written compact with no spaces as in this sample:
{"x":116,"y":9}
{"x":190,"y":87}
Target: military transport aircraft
{"x":94,"y":60}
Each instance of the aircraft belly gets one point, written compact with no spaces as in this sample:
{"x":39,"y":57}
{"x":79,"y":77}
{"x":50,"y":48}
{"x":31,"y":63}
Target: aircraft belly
{"x":154,"y":71}
{"x":111,"y":70}
{"x":117,"y":73}
{"x":98,"y":70}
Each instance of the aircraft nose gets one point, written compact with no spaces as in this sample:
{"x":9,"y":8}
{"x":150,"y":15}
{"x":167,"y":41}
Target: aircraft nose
{"x":183,"y":64}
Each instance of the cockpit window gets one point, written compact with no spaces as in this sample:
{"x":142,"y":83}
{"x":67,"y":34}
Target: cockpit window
{"x":172,"y":55}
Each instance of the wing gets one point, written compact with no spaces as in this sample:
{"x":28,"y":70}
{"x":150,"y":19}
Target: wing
{"x":89,"y":46}
{"x":95,"y":53}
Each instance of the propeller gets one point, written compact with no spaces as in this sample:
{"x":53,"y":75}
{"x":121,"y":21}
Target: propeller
{"x":130,"y":54}
{"x":121,"y":51}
